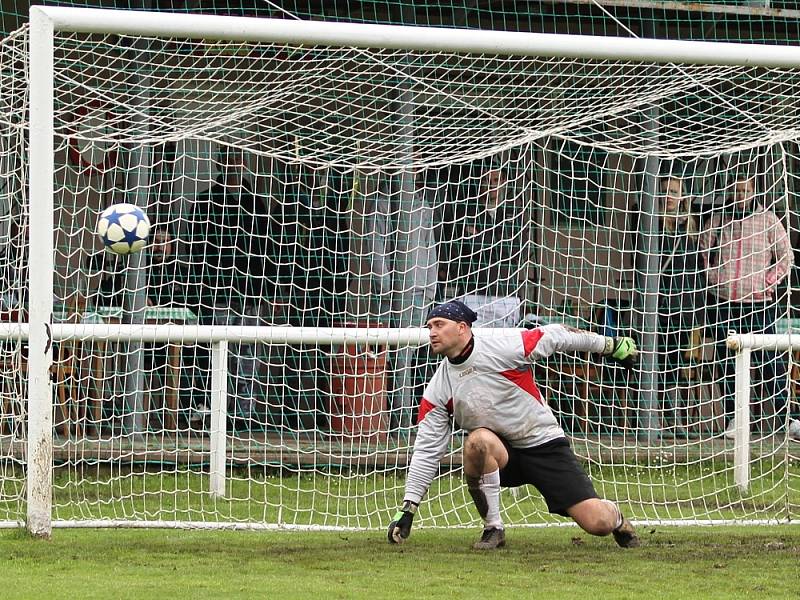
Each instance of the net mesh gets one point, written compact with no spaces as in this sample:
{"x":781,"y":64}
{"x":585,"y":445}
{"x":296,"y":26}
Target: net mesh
{"x":315,"y":187}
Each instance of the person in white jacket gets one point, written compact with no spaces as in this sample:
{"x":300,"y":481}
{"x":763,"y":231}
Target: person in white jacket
{"x":485,"y":384}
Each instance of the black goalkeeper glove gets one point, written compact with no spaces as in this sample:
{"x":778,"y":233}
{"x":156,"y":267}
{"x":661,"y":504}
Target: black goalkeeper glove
{"x":400,"y":527}
{"x":622,"y":350}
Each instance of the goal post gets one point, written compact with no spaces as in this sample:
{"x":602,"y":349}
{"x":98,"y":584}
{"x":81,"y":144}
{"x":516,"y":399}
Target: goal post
{"x":39,"y":463}
{"x":516,"y":175}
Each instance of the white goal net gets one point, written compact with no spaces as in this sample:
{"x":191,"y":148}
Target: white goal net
{"x":325,"y":188}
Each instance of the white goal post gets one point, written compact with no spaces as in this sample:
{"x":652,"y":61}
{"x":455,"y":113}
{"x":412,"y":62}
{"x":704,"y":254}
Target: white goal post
{"x":521,"y":135}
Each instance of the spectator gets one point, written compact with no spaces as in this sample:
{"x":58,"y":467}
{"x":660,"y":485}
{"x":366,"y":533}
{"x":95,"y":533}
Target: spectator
{"x":166,"y":287}
{"x":682,"y":285}
{"x":227,"y":245}
{"x":13,"y":263}
{"x":481,"y":265}
{"x":308,"y":264}
{"x":747,"y":254}
{"x":402,"y":245}
{"x":106,"y":274}
{"x":166,"y":276}
{"x":308,"y":276}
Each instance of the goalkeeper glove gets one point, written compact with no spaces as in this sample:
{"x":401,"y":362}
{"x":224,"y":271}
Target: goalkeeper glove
{"x":622,"y":350}
{"x":400,"y":527}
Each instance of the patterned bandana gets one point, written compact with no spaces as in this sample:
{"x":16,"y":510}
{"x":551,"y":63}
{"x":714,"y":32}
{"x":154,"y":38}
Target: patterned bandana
{"x":455,"y":311}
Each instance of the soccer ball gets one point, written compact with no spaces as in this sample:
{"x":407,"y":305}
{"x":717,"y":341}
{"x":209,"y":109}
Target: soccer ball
{"x":123,"y":228}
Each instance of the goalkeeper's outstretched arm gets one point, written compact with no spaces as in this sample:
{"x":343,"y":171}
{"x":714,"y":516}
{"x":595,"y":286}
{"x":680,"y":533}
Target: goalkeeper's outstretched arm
{"x":433,"y":436}
{"x":549,"y":339}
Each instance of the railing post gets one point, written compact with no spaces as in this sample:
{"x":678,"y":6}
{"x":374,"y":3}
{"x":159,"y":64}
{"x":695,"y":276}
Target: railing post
{"x":741,"y":450}
{"x":219,"y":417}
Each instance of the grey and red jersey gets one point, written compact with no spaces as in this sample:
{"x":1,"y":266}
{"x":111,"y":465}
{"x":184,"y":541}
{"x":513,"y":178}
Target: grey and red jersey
{"x":493,"y":388}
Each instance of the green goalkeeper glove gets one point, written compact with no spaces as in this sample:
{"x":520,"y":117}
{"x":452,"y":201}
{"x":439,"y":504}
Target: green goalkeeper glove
{"x":400,"y":527}
{"x":622,"y":350}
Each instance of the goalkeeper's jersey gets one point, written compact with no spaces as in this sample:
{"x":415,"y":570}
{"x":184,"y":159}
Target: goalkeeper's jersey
{"x":493,"y":388}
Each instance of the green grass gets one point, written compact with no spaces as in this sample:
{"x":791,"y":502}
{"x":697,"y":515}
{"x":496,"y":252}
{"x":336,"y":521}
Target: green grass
{"x":723,"y":562}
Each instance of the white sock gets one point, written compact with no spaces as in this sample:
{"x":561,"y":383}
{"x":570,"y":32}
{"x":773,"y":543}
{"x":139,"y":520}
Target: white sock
{"x":490,"y":486}
{"x":617,"y":511}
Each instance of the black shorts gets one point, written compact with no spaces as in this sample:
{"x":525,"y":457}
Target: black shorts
{"x":553,"y":469}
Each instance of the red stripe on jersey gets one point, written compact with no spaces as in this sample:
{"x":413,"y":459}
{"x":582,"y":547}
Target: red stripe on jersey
{"x":424,"y":408}
{"x":523,"y":379}
{"x":530,"y":338}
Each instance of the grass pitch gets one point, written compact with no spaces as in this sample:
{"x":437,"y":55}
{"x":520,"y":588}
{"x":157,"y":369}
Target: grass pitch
{"x":562,"y":562}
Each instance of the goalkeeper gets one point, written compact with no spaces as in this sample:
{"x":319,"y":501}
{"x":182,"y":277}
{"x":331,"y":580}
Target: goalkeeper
{"x":486,"y":385}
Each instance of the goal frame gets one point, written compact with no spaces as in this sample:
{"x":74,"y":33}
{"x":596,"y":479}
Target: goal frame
{"x":45,"y":21}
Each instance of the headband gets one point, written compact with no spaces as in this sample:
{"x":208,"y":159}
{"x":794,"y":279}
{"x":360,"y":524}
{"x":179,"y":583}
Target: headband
{"x":454,"y":310}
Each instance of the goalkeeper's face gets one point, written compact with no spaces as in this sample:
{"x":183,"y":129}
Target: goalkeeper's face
{"x":448,"y":338}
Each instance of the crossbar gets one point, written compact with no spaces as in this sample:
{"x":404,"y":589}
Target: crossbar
{"x":402,"y":37}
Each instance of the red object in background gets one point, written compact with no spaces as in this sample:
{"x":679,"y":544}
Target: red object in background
{"x":13,"y":315}
{"x":358,"y":410}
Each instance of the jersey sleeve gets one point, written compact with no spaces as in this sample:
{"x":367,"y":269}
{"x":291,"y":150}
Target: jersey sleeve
{"x":782,"y":248}
{"x":433,"y":437}
{"x":544,"y":341}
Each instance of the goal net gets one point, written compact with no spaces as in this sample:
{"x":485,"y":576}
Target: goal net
{"x":331,"y":195}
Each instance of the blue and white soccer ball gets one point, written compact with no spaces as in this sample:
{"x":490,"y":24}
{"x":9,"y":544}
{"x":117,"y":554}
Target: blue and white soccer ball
{"x":123,"y":228}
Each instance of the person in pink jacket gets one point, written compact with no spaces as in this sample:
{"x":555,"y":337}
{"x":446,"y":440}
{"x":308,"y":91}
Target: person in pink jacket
{"x":747,"y":254}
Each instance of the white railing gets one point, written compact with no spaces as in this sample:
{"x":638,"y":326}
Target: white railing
{"x":219,"y":337}
{"x":209,"y":334}
{"x":744,"y":344}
